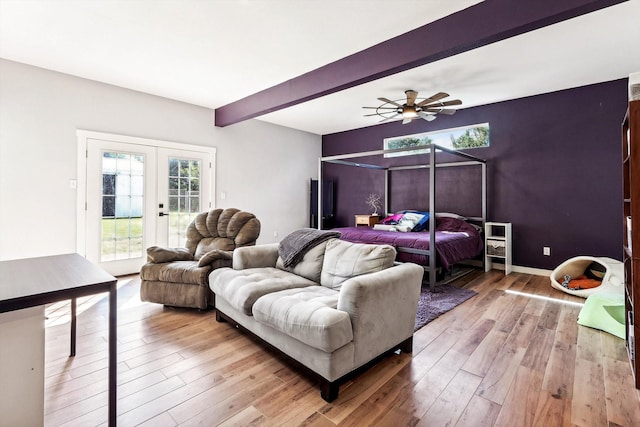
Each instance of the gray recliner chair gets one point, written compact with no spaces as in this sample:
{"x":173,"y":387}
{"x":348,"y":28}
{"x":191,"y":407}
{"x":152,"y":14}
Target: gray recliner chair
{"x":180,"y":276}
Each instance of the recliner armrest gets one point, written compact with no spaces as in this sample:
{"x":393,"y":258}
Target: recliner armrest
{"x":214,"y":255}
{"x":255,"y":256}
{"x":157,"y":255}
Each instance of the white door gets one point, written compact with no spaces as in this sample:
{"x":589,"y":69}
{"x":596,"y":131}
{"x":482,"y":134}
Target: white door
{"x":184,"y":190}
{"x":139,"y":196}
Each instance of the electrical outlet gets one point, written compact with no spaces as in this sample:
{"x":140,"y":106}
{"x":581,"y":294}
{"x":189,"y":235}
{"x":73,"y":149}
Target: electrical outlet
{"x":223,"y":195}
{"x":275,"y":234}
{"x":546,"y":251}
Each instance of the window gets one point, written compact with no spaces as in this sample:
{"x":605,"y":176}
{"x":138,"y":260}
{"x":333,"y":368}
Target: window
{"x":461,"y":138}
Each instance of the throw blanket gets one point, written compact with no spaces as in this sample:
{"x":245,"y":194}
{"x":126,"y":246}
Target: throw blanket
{"x":293,"y":247}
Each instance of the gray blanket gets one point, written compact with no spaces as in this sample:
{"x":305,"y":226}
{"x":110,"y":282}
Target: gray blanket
{"x":293,"y":247}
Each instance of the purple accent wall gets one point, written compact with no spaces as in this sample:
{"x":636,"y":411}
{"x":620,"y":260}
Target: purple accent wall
{"x":554,"y":171}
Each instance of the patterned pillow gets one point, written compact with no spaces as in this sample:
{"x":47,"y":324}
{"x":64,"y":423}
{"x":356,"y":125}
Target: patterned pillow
{"x":392,"y":219}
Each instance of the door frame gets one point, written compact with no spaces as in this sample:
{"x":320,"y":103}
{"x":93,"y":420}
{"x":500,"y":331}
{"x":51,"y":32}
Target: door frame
{"x":84,"y":136}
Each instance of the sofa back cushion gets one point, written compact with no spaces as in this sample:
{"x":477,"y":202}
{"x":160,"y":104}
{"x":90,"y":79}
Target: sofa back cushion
{"x":343,"y":260}
{"x":311,"y":264}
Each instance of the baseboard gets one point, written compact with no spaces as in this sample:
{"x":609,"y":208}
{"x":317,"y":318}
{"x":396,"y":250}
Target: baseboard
{"x":525,"y":270}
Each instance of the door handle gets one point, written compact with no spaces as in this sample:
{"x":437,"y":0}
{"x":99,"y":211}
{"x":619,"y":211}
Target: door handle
{"x":163,"y":214}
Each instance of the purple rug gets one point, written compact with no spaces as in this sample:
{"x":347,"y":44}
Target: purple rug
{"x":432,"y":305}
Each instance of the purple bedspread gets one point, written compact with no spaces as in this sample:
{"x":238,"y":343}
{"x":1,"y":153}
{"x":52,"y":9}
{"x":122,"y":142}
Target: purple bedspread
{"x":456,"y":240}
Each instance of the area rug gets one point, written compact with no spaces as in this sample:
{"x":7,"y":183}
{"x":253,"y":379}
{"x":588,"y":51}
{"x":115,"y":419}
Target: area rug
{"x":432,"y":305}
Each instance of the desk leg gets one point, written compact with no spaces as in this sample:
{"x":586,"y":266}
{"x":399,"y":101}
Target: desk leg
{"x":113,"y":361}
{"x":73,"y":327}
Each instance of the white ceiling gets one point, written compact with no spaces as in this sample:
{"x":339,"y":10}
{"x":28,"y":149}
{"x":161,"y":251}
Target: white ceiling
{"x":213,"y":52}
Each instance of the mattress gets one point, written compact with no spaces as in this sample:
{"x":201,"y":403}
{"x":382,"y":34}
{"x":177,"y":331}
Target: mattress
{"x":456,"y":240}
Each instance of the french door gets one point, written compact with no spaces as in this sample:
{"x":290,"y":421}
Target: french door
{"x":139,"y":195}
{"x":184,"y":189}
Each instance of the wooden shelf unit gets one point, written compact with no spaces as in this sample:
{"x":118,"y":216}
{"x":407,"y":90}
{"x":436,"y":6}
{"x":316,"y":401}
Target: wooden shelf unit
{"x":631,"y":238}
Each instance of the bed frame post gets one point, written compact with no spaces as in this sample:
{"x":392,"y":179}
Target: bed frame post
{"x":320,"y":194}
{"x":484,"y":208}
{"x":386,"y":193}
{"x":432,"y":218}
{"x":484,"y":193}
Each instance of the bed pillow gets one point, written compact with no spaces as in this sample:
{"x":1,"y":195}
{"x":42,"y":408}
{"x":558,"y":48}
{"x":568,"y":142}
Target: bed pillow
{"x":449,"y":215}
{"x":396,"y":227}
{"x":454,"y":225}
{"x":392,"y":219}
{"x":410,"y":219}
{"x":423,"y":224}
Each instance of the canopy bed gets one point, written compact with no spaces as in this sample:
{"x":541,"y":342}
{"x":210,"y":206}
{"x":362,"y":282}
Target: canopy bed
{"x":453,"y":237}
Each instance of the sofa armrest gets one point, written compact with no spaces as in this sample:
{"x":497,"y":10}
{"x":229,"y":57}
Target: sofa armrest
{"x":382,"y":307}
{"x":255,"y":256}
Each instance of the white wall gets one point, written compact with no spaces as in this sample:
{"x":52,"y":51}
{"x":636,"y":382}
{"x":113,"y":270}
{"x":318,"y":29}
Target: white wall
{"x":262,"y":168}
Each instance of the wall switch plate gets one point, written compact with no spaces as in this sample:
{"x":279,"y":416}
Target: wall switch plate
{"x":546,"y":251}
{"x":73,"y":184}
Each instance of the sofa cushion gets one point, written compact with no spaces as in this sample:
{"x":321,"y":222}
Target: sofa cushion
{"x":308,"y":315}
{"x":187,"y":272}
{"x":343,"y":260}
{"x":241,"y":288}
{"x":311,"y":264}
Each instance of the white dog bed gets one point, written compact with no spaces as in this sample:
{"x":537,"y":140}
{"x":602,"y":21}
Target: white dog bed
{"x":612,"y":282}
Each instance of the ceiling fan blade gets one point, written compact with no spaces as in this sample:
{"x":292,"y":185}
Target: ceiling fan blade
{"x":440,"y":111}
{"x":428,"y":117}
{"x":395,"y":116}
{"x":388,"y":101}
{"x":411,"y":97}
{"x":381,"y":108}
{"x":370,"y":115}
{"x":441,"y":104}
{"x":433,"y":98}
{"x":452,"y":102}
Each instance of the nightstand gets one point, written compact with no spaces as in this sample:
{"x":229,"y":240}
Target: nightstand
{"x":497,"y":244}
{"x":367,"y":220}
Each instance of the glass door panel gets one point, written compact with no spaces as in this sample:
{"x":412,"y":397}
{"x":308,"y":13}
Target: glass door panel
{"x":119,"y":227}
{"x":122,"y":206}
{"x":184,"y":197}
{"x":184,"y":192}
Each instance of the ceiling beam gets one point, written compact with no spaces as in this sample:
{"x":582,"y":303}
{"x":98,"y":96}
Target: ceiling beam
{"x":479,"y":25}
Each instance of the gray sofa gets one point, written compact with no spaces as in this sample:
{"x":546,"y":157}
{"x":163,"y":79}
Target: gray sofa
{"x":340,"y":309}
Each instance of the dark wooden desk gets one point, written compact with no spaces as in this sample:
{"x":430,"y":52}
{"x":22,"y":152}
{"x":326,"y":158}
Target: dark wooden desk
{"x":33,"y":282}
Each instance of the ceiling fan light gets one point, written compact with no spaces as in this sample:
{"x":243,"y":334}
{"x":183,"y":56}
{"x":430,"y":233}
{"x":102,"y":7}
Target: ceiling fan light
{"x":409,"y":112}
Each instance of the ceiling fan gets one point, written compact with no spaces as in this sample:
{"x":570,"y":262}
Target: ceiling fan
{"x":413,"y":108}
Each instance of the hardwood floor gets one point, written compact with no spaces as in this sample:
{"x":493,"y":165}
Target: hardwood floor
{"x":499,"y":359}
